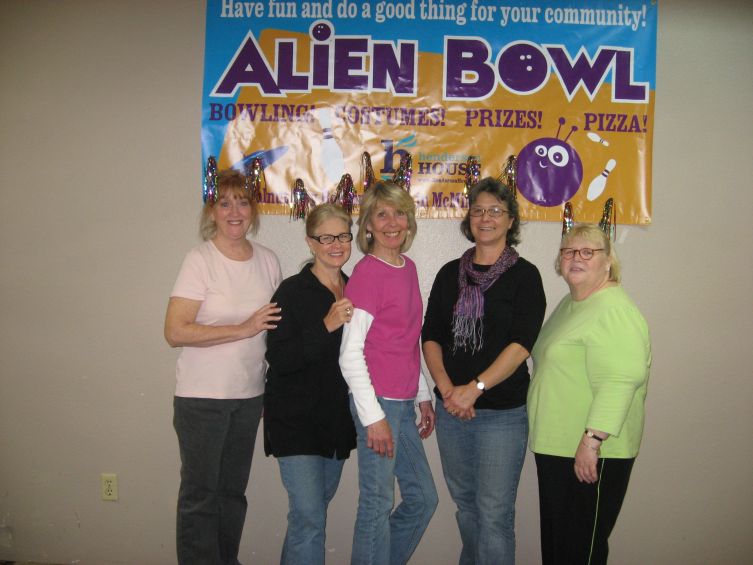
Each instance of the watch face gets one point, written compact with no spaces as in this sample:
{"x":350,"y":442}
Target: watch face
{"x":480,"y":385}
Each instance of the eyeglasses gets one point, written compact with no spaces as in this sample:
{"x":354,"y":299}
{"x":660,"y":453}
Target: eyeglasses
{"x":493,"y":212}
{"x":586,"y":253}
{"x":326,"y":239}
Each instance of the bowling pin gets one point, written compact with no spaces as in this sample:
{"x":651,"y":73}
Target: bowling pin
{"x":333,"y":161}
{"x":598,"y":185}
{"x":596,"y":139}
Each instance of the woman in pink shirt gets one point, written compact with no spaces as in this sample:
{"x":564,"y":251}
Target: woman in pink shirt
{"x":219,"y":312}
{"x":380,"y":361}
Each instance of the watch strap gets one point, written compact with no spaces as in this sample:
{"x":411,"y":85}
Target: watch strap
{"x":592,"y":435}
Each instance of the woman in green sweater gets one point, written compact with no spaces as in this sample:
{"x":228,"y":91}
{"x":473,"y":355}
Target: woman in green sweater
{"x":586,"y":401}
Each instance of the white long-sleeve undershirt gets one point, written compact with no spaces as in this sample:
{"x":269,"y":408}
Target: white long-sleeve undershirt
{"x":356,"y":372}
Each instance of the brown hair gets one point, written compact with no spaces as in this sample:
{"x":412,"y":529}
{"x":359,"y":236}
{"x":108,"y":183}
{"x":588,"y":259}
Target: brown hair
{"x":505,"y":196}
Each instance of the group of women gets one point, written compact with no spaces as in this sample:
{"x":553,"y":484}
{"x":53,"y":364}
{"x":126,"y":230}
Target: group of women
{"x":344,"y":371}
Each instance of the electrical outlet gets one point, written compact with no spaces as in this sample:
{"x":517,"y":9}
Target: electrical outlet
{"x":108,"y":483}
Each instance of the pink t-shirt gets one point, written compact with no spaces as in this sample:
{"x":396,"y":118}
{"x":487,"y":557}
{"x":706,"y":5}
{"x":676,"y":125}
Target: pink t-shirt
{"x":391,"y":295}
{"x":229,"y":292}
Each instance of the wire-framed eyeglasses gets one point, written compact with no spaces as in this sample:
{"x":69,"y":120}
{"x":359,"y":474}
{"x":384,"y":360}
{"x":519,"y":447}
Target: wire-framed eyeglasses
{"x":326,"y":239}
{"x":493,"y":212}
{"x":586,"y":253}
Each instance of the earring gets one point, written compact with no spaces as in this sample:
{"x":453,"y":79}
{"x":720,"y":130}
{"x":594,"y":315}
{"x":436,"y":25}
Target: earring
{"x":368,"y":235}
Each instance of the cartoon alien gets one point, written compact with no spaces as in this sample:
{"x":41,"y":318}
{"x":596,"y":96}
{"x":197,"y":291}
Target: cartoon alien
{"x":549,"y":171}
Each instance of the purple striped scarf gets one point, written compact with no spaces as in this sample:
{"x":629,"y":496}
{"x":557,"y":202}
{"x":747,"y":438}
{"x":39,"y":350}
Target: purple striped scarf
{"x":468,"y":313}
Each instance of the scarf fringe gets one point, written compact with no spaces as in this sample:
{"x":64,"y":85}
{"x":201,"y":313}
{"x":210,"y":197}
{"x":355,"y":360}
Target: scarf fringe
{"x":468,"y":333}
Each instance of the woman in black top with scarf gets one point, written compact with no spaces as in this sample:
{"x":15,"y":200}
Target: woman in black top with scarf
{"x":484,"y":314}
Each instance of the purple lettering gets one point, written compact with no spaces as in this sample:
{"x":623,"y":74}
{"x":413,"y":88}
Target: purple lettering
{"x":624,"y":89}
{"x":348,"y":60}
{"x":523,"y":67}
{"x":215,"y":112}
{"x":320,"y":65}
{"x":247,"y":68}
{"x":286,"y":78}
{"x":400,"y":68}
{"x":582,"y":70}
{"x":464,"y":57}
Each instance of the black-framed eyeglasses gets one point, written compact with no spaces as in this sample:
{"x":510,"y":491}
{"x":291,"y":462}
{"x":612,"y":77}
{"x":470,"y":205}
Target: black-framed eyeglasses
{"x":586,"y":253}
{"x":326,"y":239}
{"x":493,"y":212}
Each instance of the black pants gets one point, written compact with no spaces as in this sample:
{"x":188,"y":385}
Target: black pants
{"x":577,"y":518}
{"x":216,"y":439}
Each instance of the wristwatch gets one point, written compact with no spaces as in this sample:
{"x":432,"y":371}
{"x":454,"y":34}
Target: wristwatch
{"x":592,"y":435}
{"x":480,"y":385}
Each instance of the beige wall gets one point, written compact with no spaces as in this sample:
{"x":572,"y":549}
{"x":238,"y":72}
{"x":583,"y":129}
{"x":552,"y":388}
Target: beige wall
{"x":99,"y":149}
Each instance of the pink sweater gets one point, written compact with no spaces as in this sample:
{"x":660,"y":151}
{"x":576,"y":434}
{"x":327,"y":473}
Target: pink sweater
{"x":385,"y":333}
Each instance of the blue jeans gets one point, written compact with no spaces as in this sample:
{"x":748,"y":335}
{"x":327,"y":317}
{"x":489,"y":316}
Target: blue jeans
{"x":216,"y":440}
{"x":311,"y":482}
{"x":481,"y":461}
{"x":383,"y":536}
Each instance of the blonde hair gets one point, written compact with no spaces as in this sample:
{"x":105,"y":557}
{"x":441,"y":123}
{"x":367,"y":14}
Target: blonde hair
{"x":323,"y":212}
{"x":385,"y":192}
{"x":593,"y":234}
{"x":230,"y":184}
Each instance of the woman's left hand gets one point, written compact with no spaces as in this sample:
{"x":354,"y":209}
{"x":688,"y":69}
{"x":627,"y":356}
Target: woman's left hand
{"x":460,"y":402}
{"x":428,"y":419}
{"x":586,"y":459}
{"x":339,"y":313}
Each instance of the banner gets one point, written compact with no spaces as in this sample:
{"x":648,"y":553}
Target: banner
{"x":568,"y":88}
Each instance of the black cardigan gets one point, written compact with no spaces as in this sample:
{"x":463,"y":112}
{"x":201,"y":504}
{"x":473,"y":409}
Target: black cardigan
{"x":306,"y":407}
{"x":514,"y":309}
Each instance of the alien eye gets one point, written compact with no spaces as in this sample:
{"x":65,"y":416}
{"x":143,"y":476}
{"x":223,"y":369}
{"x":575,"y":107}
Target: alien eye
{"x":540,"y":150}
{"x":559,"y":156}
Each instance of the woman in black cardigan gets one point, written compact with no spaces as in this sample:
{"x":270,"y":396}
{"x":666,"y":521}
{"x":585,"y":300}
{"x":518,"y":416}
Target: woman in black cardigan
{"x":307,"y":422}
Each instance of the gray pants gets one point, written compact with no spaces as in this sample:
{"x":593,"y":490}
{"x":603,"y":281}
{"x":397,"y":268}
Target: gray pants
{"x":216,"y":440}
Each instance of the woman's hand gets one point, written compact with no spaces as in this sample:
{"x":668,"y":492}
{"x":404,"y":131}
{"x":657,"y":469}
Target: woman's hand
{"x":339,"y":313}
{"x":182,"y":330}
{"x":428,"y":419}
{"x":264,"y":318}
{"x":586,"y":458}
{"x":459,"y":401}
{"x":379,"y":438}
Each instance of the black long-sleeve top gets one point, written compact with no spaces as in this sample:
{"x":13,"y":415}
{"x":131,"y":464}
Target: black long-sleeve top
{"x":306,"y":407}
{"x":514,"y":308}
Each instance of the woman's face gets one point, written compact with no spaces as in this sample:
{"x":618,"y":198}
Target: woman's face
{"x":581,"y":273}
{"x":233,"y":214}
{"x":389,"y":228}
{"x":488,"y":230}
{"x":330,"y":255}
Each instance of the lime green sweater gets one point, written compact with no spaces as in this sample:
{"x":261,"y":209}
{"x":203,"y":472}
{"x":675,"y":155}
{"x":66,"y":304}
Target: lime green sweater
{"x":591,"y":366}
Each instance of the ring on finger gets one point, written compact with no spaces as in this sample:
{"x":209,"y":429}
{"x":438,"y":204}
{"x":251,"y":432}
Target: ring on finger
{"x":348,"y":310}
